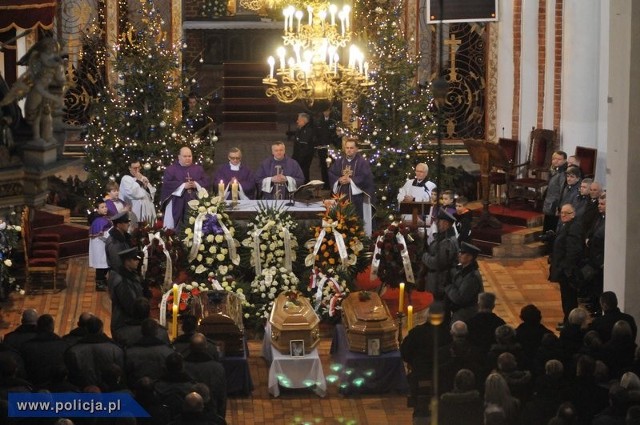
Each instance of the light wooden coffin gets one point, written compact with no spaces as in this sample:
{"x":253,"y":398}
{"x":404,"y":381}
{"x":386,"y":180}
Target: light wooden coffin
{"x":221,"y":321}
{"x":366,"y":320}
{"x":293,"y":319}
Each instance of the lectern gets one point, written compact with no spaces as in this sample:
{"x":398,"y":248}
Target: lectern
{"x":416,"y":209}
{"x":486,"y":154}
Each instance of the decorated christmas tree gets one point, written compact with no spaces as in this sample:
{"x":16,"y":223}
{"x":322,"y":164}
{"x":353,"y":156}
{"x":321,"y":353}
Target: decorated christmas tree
{"x":396,"y":115}
{"x":139,"y":117}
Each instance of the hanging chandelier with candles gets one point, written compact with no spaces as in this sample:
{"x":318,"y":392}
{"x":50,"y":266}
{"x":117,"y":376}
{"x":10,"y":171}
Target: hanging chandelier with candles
{"x":316,"y":63}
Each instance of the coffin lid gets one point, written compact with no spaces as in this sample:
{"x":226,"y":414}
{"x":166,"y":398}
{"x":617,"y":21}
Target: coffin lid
{"x":289,"y":315}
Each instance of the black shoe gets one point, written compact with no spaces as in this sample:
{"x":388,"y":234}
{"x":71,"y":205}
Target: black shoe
{"x":101,"y":287}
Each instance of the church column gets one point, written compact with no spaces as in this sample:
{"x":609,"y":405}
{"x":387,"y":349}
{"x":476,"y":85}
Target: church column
{"x":580,"y":74}
{"x":622,"y":268}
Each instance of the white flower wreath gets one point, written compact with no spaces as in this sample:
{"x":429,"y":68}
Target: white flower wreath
{"x":273,"y":251}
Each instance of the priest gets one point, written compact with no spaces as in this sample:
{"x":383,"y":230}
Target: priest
{"x":180,"y":184}
{"x":279,"y":176}
{"x":351,"y":176}
{"x":137,"y":190}
{"x":236,"y":170}
{"x":418,"y":189}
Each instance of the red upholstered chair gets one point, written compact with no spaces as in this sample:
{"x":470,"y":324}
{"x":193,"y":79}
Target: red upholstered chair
{"x":587,"y":158}
{"x":502,"y":174}
{"x":534,"y":172}
{"x":41,"y":253}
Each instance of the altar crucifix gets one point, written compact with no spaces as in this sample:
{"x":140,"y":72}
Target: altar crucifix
{"x":453,"y":44}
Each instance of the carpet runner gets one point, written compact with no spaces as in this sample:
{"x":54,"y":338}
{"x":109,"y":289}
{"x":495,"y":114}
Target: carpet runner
{"x":74,"y":238}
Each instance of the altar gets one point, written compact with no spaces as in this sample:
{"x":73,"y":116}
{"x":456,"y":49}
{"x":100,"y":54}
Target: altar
{"x":293,"y":371}
{"x":247,"y":209}
{"x":362,"y":373}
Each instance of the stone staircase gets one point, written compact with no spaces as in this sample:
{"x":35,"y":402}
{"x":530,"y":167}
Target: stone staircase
{"x":521,"y":244}
{"x":246,"y":106}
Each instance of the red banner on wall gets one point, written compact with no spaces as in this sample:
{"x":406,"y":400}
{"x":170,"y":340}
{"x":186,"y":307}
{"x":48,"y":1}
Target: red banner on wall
{"x":25,"y":14}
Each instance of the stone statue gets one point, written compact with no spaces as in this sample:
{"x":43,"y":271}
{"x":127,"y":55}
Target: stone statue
{"x":45,"y":71}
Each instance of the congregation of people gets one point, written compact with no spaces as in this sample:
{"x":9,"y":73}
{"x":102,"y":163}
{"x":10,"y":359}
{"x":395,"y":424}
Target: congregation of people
{"x":179,"y":383}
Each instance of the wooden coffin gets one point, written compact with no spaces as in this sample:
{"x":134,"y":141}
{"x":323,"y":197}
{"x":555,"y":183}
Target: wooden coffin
{"x":293,"y":318}
{"x":221,"y":321}
{"x":367,"y":319}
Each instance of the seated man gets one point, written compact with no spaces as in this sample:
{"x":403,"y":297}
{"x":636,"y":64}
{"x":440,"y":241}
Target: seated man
{"x":418,"y":189}
{"x":235,"y":169}
{"x":280,"y":175}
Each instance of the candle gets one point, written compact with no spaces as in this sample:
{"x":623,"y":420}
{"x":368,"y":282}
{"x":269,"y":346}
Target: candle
{"x":234,"y":190}
{"x":281,"y":53}
{"x":409,"y":317}
{"x":221,"y":189}
{"x":310,"y":12}
{"x":175,"y":293}
{"x":401,"y":298}
{"x":299,"y":15}
{"x":174,"y":323}
{"x":332,"y":10}
{"x":272,"y":63}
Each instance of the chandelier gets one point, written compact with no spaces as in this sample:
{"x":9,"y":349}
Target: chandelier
{"x":311,"y":65}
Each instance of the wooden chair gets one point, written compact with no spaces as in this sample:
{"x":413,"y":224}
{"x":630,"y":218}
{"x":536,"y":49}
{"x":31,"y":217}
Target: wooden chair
{"x":41,"y":252}
{"x":587,"y":158}
{"x":533,"y":175}
{"x":502,"y":175}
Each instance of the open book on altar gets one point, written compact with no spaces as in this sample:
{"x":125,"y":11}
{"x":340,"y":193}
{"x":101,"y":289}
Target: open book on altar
{"x":309,"y":192}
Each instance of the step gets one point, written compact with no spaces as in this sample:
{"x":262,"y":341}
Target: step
{"x":260,"y":102}
{"x":244,"y":91}
{"x":231,"y":81}
{"x":528,"y":250}
{"x":250,"y":126}
{"x":251,"y":116}
{"x":246,"y":69}
{"x":523,"y":236}
{"x":486,"y":247}
{"x":249,"y":105}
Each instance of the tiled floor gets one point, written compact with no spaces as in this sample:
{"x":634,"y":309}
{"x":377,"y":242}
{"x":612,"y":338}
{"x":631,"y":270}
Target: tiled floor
{"x":516,"y":283}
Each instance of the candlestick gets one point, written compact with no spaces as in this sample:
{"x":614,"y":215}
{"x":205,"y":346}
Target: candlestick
{"x":409,"y":317}
{"x":174,"y":323}
{"x":221,"y":189}
{"x":234,"y":190}
{"x":401,"y":298}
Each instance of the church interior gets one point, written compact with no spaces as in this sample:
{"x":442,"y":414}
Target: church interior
{"x":488,"y":90}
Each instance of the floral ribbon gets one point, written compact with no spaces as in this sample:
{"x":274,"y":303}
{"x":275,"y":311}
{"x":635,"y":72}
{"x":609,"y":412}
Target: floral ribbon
{"x":342,"y":248}
{"x":319,"y":284}
{"x":163,"y":303}
{"x":288,"y":262}
{"x":198,"y":234}
{"x":406,"y":261}
{"x":168,"y":272}
{"x":375,"y":262}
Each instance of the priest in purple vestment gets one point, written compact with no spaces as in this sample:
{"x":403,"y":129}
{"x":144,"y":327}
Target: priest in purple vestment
{"x":280,"y":175}
{"x":351,"y":176}
{"x":180,"y":184}
{"x":235,"y":169}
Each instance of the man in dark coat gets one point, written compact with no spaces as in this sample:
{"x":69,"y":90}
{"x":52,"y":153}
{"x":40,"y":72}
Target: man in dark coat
{"x":567,"y":251}
{"x":44,"y":353}
{"x":147,"y":356}
{"x":180,"y":184}
{"x":131,"y":332}
{"x":279,"y":175}
{"x":80,"y":331}
{"x":463,"y":405}
{"x":571,"y":189}
{"x":88,"y":359}
{"x":529,"y":334}
{"x":462,"y":293}
{"x":482,"y":327}
{"x":326,"y":136}
{"x":118,"y":240}
{"x":351,"y":177}
{"x":557,"y":181}
{"x":595,"y":255}
{"x":441,"y":256}
{"x":304,"y":144}
{"x":610,"y":315}
{"x":417,"y":351}
{"x":25,"y":331}
{"x":125,"y":286}
{"x":204,"y":368}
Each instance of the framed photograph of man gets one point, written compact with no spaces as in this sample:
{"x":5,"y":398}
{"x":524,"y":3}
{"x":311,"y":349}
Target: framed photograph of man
{"x":373,"y":346}
{"x":297,"y":347}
